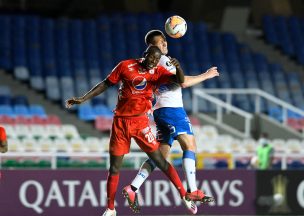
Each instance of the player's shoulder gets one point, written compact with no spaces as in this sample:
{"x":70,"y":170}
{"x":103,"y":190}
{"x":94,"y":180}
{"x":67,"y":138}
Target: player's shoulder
{"x":163,"y":59}
{"x":127,"y":62}
{"x":166,"y":63}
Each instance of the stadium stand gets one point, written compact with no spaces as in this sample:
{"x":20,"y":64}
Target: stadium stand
{"x":60,"y":57}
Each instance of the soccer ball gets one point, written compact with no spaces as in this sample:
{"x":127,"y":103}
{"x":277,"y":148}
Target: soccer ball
{"x":175,"y":26}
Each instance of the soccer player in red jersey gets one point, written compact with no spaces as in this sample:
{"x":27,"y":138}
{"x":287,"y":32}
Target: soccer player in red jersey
{"x":3,"y":140}
{"x":139,"y":77}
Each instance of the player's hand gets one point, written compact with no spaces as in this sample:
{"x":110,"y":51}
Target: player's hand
{"x":175,"y":62}
{"x":3,"y":147}
{"x":75,"y":100}
{"x":212,"y":72}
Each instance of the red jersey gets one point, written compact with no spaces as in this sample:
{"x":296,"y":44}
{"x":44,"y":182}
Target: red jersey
{"x":136,"y":91}
{"x":2,"y":134}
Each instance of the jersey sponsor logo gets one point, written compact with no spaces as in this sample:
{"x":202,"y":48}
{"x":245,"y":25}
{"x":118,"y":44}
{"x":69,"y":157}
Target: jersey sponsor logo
{"x":139,"y":83}
{"x":168,"y":64}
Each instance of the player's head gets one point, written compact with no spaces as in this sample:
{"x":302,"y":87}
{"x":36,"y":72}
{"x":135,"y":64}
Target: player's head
{"x":151,"y":57}
{"x":157,"y":38}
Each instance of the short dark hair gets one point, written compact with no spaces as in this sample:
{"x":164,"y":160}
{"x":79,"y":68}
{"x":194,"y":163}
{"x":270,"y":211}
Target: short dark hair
{"x":151,"y":34}
{"x":151,"y":49}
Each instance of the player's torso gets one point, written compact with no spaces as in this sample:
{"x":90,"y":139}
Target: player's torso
{"x":136,"y":89}
{"x":168,"y":95}
{"x":136,"y":80}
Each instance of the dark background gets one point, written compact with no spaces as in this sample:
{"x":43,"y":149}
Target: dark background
{"x":210,"y":11}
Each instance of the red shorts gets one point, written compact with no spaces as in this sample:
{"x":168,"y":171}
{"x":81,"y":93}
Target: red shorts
{"x":125,"y":128}
{"x":2,"y":134}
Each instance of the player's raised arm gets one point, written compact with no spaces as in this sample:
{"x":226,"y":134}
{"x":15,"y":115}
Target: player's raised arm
{"x":96,"y":90}
{"x":179,"y":76}
{"x":193,"y":80}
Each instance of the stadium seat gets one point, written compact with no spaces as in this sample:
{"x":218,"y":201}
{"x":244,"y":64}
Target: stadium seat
{"x":5,"y":100}
{"x":6,"y":120}
{"x":22,"y":131}
{"x":93,"y":144}
{"x":221,"y":164}
{"x":53,"y":119}
{"x":5,"y":90}
{"x":77,"y":145}
{"x":43,"y":164}
{"x":29,"y":145}
{"x":103,"y":123}
{"x":86,"y":113}
{"x":14,"y":145}
{"x":21,"y":110}
{"x":37,"y":110}
{"x":7,"y":110}
{"x":11,"y":163}
{"x":53,"y":131}
{"x":70,"y":131}
{"x":46,"y":145}
{"x":279,"y":145}
{"x":62,"y":145}
{"x":52,"y":88}
{"x":23,"y":120}
{"x":102,"y":110}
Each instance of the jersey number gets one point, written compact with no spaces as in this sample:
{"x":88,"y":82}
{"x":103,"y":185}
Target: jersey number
{"x":149,"y":136}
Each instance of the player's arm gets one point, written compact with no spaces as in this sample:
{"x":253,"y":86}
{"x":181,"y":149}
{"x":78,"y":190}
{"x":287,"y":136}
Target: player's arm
{"x":3,"y":146}
{"x":193,"y":80}
{"x":179,"y":76}
{"x":96,"y":90}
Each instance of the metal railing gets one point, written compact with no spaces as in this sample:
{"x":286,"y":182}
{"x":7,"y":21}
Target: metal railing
{"x":258,"y":95}
{"x":137,"y":156}
{"x":220,"y":105}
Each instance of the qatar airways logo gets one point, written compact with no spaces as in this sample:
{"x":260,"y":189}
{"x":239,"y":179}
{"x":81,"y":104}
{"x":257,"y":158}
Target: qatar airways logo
{"x":41,"y":197}
{"x":139,"y":83}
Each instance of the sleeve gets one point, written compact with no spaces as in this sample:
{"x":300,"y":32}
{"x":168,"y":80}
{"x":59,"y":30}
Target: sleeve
{"x":165,"y":62}
{"x":115,"y":76}
{"x":2,"y":134}
{"x":163,"y":75}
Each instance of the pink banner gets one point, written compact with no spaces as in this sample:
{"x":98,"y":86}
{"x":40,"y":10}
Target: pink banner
{"x":83,"y":192}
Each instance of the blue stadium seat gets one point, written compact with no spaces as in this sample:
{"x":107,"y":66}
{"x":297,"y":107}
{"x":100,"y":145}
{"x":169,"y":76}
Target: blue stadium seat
{"x":221,"y":164}
{"x":48,"y":47}
{"x":67,"y":88}
{"x":37,"y":110}
{"x":20,"y":100}
{"x":5,"y":90}
{"x":269,"y":29}
{"x":5,"y":42}
{"x":102,"y":110}
{"x":52,"y":88}
{"x":98,"y":101}
{"x":7,"y":110}
{"x":295,"y":164}
{"x":21,"y":110}
{"x":86,"y":112}
{"x":5,"y":100}
{"x":276,"y":113}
